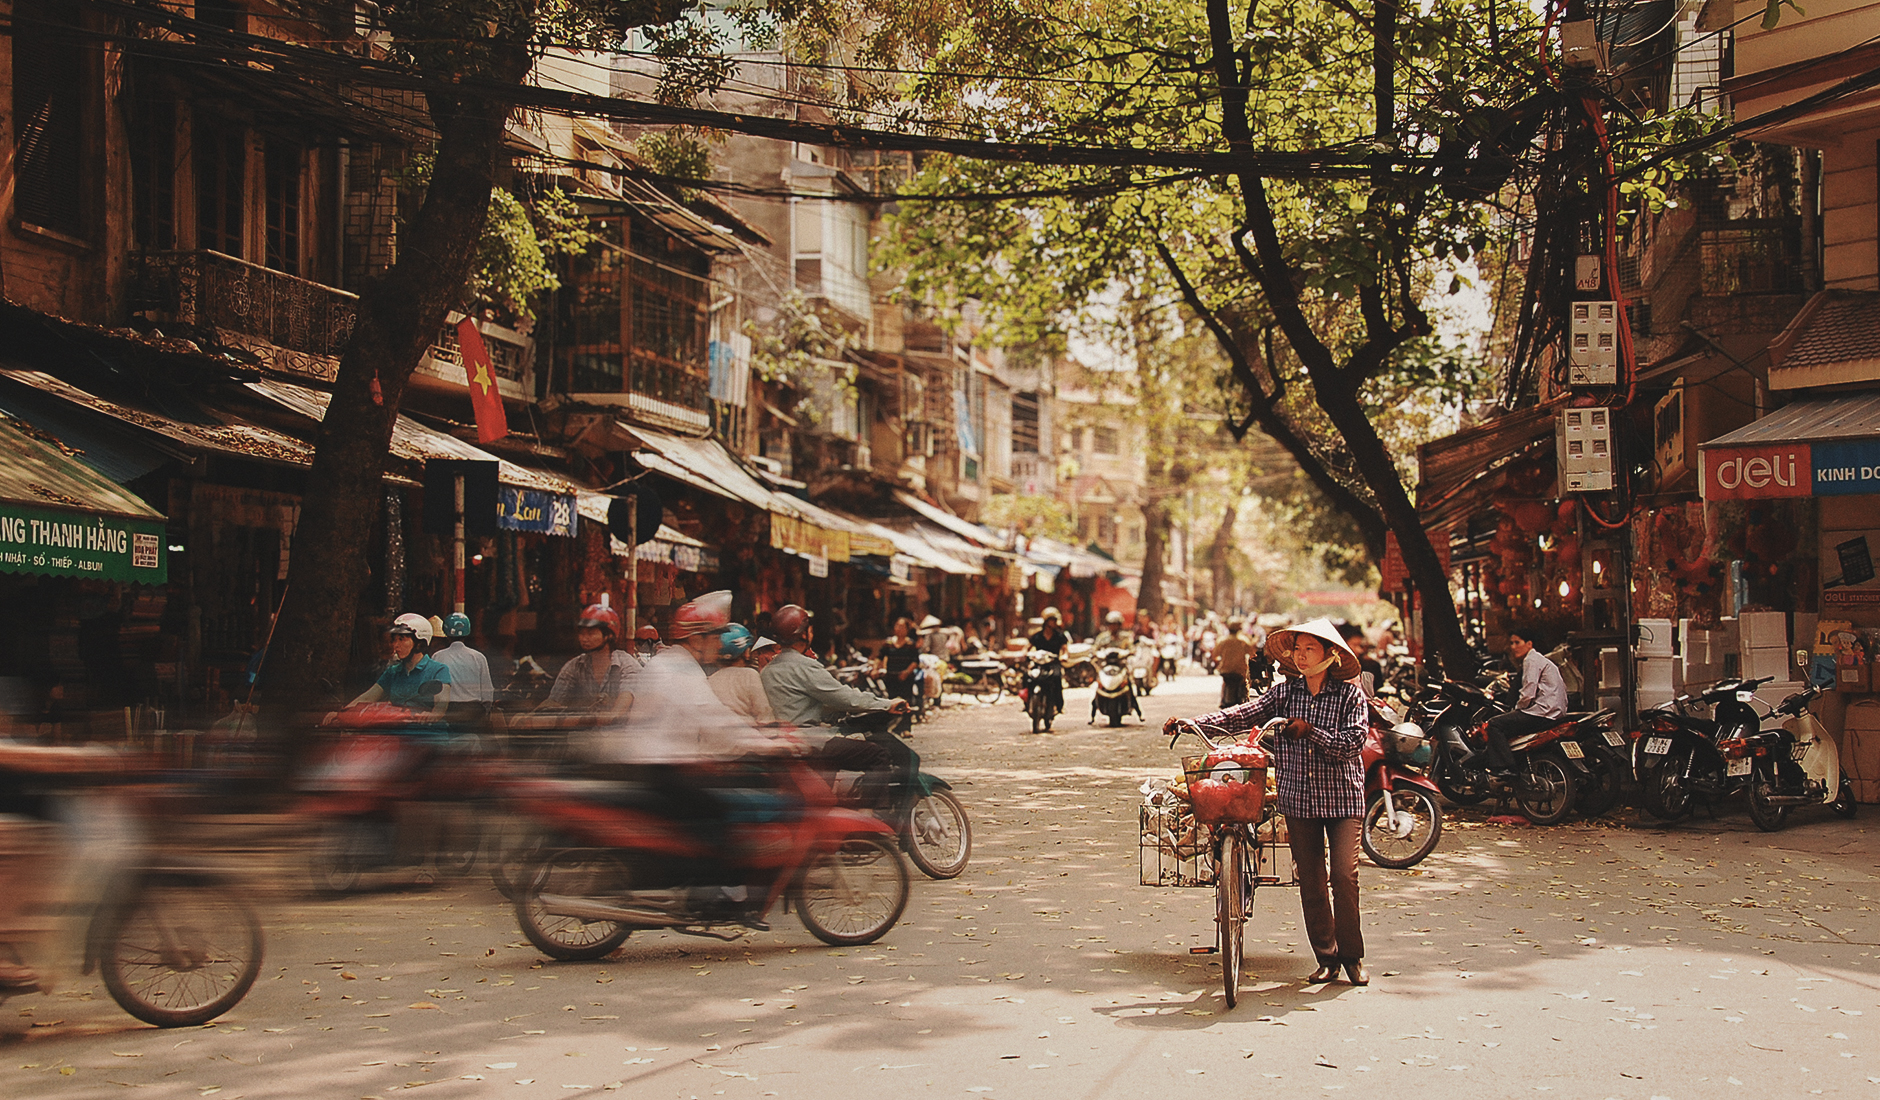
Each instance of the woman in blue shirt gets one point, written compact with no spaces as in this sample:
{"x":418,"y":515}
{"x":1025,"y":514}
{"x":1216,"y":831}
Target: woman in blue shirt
{"x":413,"y":680}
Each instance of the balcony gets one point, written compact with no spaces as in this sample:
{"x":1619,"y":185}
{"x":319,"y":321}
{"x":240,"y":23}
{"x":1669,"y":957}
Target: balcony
{"x":511,"y":355}
{"x":292,"y":325}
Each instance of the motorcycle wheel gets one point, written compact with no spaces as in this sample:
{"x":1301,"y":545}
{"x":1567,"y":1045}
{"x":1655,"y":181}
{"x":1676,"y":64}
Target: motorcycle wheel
{"x":1230,"y":912}
{"x":1545,"y":790}
{"x":1601,"y":790}
{"x":1768,"y":818}
{"x":1380,"y":840}
{"x":1845,"y":806}
{"x":340,"y":856}
{"x":853,"y":894}
{"x":180,"y":951}
{"x":938,"y":835}
{"x":1446,"y":782}
{"x":1663,"y":793}
{"x":579,"y":873}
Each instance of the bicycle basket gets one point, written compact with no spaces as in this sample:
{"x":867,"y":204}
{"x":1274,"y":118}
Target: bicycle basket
{"x":1173,"y":850}
{"x":1228,"y":785}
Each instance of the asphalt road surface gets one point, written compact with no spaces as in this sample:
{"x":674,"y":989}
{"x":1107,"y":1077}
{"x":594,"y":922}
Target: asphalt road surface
{"x":1605,"y":959}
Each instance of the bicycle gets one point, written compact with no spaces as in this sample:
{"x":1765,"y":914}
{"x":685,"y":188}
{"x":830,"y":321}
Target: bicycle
{"x":1227,"y":789}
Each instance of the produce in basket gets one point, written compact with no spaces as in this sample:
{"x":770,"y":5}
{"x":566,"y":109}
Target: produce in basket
{"x":1228,"y":785}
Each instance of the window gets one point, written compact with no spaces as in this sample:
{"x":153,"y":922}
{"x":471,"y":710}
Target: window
{"x":49,"y":123}
{"x":1104,"y":441}
{"x":153,"y":172}
{"x":283,"y":167}
{"x":221,"y":172}
{"x":1025,"y":423}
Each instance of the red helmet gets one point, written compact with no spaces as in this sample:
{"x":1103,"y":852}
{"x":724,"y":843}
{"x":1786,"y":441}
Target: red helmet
{"x":790,"y":622}
{"x":708,"y":614}
{"x":648,"y":633}
{"x":601,"y":616}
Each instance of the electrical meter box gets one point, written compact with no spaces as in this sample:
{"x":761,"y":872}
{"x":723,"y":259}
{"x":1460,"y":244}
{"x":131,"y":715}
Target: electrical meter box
{"x":1593,"y":344}
{"x":1583,"y":439}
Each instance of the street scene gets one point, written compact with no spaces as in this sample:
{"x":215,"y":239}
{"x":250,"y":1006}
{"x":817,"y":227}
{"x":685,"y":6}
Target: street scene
{"x":804,"y":547}
{"x":1606,"y":958}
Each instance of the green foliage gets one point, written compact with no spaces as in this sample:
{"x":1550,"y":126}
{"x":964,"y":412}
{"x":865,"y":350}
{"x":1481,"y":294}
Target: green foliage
{"x":1772,"y":12}
{"x":516,"y":253}
{"x":800,"y":345}
{"x":675,"y":152}
{"x":1657,"y":187}
{"x":1031,"y":515}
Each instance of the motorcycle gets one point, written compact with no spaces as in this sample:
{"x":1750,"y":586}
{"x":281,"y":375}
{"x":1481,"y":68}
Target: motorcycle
{"x":1204,"y":651}
{"x":1080,"y":666}
{"x":1171,"y":655}
{"x":1043,"y":670}
{"x":175,"y":944}
{"x":1403,"y":819}
{"x":1606,"y":754}
{"x":391,"y":801}
{"x":1143,"y":666}
{"x":634,"y":867}
{"x":1796,"y":763}
{"x":1675,"y":756}
{"x":921,"y":809}
{"x":1115,"y":695}
{"x":1549,"y":763}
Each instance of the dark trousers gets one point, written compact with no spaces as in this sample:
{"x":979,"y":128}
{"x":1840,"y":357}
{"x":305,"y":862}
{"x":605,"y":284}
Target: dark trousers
{"x":1330,"y":906}
{"x":1504,"y":727}
{"x":1233,"y":688}
{"x":855,"y":754}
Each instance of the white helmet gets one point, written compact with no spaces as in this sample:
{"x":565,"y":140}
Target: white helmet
{"x":417,"y":626}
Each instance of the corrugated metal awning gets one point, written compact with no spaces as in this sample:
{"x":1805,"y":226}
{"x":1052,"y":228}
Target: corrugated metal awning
{"x":1846,"y":416}
{"x":226,"y":434}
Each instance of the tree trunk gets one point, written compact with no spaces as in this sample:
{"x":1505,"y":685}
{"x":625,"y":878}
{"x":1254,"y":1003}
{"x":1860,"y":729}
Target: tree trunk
{"x":399,"y":317}
{"x":1155,"y":525}
{"x":1221,"y":559}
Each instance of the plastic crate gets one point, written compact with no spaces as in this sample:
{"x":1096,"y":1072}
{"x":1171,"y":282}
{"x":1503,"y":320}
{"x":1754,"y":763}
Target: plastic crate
{"x":1173,"y":850}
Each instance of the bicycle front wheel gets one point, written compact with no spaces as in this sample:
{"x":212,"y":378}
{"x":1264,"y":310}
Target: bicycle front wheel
{"x":1230,"y":910}
{"x":181,"y":951}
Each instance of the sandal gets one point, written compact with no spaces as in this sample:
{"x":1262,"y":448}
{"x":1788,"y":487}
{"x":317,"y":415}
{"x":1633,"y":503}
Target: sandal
{"x":1325,"y":973}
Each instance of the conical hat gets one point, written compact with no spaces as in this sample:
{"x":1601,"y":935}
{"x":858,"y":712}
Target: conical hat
{"x":1279,"y":646}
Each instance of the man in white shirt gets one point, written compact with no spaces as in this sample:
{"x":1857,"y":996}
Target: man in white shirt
{"x":1542,"y":701}
{"x":471,"y":691}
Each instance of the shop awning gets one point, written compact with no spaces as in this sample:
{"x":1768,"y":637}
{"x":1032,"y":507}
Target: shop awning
{"x":61,"y":518}
{"x":1825,"y":446}
{"x":964,"y":528}
{"x":1448,"y":468}
{"x":226,"y":435}
{"x":666,"y":545}
{"x":413,"y":442}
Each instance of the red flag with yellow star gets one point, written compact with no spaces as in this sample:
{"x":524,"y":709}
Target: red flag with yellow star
{"x":485,"y":398}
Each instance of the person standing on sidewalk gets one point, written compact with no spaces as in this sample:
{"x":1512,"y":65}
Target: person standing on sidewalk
{"x":1230,"y":659}
{"x":1320,"y":780}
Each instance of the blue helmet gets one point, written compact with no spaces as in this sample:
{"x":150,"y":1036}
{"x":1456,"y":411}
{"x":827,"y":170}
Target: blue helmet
{"x":735,"y":642}
{"x":456,"y":625}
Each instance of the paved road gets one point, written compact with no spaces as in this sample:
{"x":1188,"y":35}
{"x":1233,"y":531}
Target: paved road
{"x":1589,"y":960}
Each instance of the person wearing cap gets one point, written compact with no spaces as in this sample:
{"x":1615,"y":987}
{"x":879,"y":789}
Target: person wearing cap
{"x":471,"y":692}
{"x":737,"y":683}
{"x":1230,"y":660}
{"x":1051,"y":637}
{"x":1114,"y":634}
{"x":1320,"y":781}
{"x":414,"y":681}
{"x":596,"y":680}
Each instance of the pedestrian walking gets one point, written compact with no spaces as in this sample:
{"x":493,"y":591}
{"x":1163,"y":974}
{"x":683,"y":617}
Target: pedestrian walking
{"x":1230,"y":658}
{"x":1320,"y":782}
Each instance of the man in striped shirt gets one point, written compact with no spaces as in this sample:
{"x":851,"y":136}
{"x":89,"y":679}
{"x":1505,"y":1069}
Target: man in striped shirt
{"x":1320,"y":780}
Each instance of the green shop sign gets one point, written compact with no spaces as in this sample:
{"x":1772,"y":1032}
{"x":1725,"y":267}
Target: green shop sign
{"x":76,"y":544}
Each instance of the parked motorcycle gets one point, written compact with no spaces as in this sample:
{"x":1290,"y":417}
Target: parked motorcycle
{"x":637,"y":867}
{"x":1115,"y":695}
{"x":1675,"y":757}
{"x":175,"y":944}
{"x":1549,"y":764}
{"x":1042,"y":670}
{"x":1796,"y":763}
{"x":1403,"y":819}
{"x":1606,"y":754}
{"x":384,"y":801}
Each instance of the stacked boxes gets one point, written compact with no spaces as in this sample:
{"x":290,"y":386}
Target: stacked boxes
{"x":1701,"y":653}
{"x":1658,"y":670}
{"x":1763,"y":638}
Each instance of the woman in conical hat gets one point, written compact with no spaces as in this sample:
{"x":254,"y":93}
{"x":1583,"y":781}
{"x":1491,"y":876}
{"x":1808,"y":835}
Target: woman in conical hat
{"x":1320,"y":781}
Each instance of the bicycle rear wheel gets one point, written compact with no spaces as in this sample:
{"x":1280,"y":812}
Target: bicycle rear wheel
{"x":1230,"y":910}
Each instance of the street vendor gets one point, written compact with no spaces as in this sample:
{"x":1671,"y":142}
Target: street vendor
{"x":1320,"y":780}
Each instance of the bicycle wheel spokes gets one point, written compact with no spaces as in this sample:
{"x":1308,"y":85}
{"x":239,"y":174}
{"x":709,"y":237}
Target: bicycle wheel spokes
{"x":1230,"y":893}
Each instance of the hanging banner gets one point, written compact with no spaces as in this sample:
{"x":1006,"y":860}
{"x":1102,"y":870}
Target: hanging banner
{"x":801,"y":537}
{"x":534,"y":510}
{"x":76,"y":544}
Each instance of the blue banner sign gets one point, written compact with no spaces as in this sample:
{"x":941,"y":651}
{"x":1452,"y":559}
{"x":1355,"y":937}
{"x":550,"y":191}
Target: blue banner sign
{"x":533,"y":510}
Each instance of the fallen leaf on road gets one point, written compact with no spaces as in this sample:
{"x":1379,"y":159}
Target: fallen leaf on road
{"x":500,"y":1065}
{"x":422,"y":1004}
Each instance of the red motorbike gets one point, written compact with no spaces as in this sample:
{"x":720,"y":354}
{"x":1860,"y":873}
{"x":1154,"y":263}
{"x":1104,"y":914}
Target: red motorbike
{"x":387,"y":793}
{"x":1403,"y":819}
{"x":635,"y":865}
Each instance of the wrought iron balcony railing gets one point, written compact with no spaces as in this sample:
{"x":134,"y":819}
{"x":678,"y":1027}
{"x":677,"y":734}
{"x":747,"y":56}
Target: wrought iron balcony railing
{"x":216,"y":291}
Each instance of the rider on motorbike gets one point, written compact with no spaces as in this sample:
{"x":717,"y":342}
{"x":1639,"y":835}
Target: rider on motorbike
{"x":1542,"y":701}
{"x":414,"y":681}
{"x":1051,"y":637}
{"x":471,"y":691}
{"x":737,"y":684}
{"x":596,"y":680}
{"x":1114,"y":635}
{"x":804,"y":693}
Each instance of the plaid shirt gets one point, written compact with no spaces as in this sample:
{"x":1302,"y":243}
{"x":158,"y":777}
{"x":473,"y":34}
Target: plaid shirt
{"x":1321,"y":774}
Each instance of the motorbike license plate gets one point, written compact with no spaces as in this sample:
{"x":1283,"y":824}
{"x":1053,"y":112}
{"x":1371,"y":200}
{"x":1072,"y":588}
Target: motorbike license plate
{"x":1739,"y":766}
{"x":1613,"y":737}
{"x":1573,"y":750}
{"x":1658,"y":746}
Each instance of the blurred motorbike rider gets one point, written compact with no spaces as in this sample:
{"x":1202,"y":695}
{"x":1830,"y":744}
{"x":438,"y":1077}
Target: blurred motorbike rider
{"x":678,"y":729}
{"x":471,"y":691}
{"x":414,"y":681}
{"x":804,"y":693}
{"x":1051,"y":637}
{"x":599,"y":679}
{"x":1114,"y":634}
{"x":646,"y":642}
{"x":737,"y":684}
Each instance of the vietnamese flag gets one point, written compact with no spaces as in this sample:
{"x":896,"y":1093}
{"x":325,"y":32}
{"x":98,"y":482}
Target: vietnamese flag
{"x":485,"y":398}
